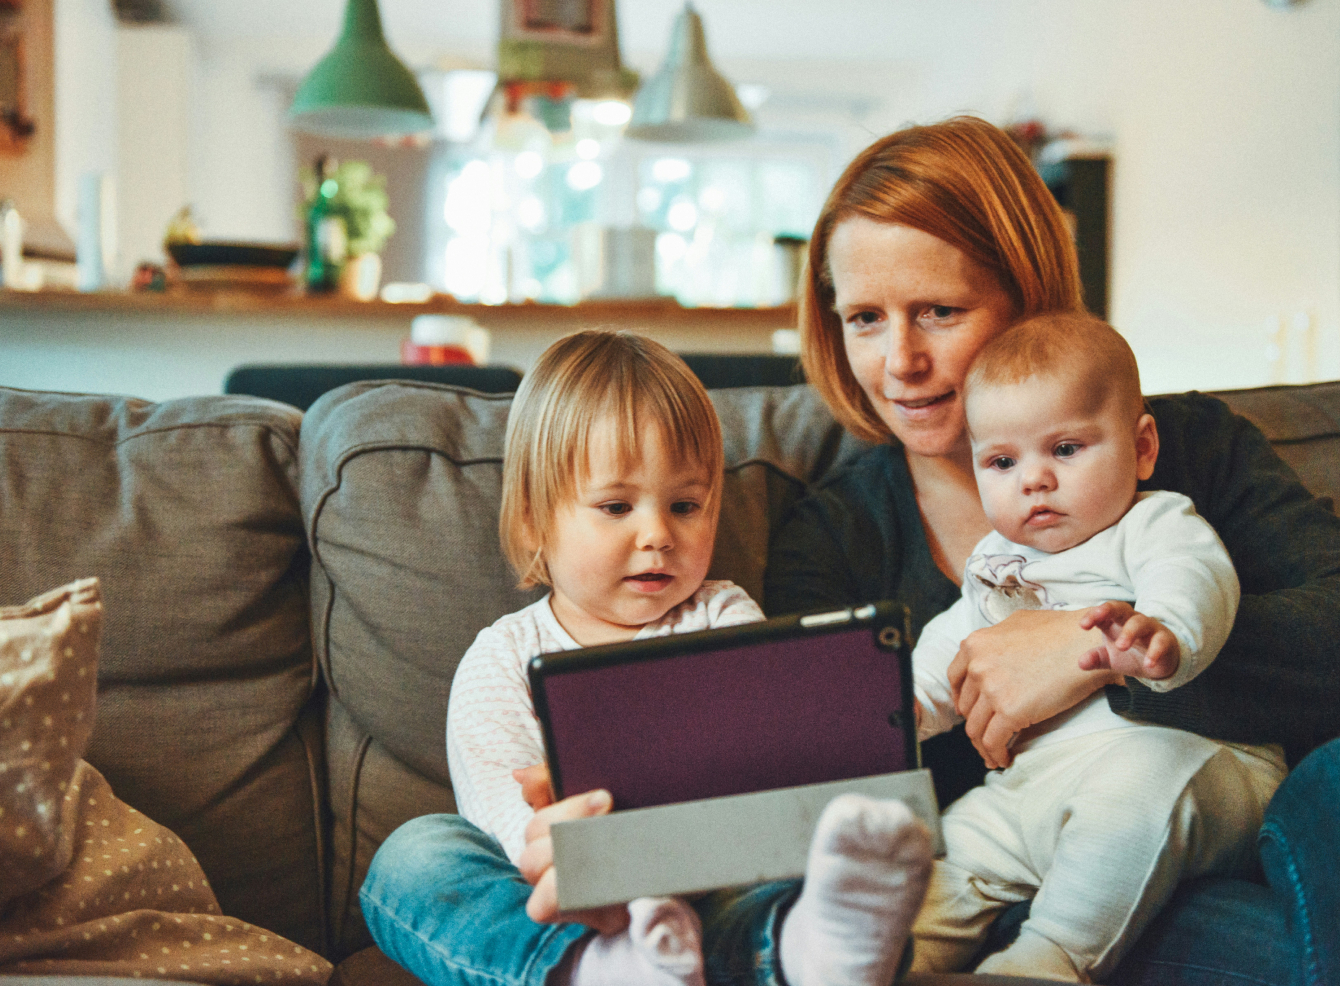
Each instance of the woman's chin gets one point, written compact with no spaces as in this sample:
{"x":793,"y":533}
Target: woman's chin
{"x":944,"y":440}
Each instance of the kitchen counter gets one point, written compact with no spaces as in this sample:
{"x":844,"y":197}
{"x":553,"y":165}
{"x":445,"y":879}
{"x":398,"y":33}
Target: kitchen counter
{"x":159,"y":346}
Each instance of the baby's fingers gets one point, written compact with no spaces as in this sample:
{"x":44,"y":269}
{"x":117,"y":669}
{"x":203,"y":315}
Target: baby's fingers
{"x":1095,"y":660}
{"x":1137,"y":630}
{"x":1096,"y":616}
{"x":1163,"y":657}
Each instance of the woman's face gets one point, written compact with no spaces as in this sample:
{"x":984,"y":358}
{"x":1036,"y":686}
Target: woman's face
{"x":914,"y":312}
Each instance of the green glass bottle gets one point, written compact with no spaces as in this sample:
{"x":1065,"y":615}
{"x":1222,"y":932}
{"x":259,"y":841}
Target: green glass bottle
{"x":327,"y":232}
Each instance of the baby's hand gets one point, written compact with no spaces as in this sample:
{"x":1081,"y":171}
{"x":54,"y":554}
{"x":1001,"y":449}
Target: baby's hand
{"x":1136,"y":644}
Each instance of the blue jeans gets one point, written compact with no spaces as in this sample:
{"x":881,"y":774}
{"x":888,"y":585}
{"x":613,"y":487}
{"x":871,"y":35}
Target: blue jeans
{"x":442,"y":900}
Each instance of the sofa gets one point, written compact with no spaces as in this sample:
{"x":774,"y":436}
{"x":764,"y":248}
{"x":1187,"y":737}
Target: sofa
{"x":287,"y":596}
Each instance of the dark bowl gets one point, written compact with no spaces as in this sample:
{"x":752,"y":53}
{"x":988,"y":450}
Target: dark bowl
{"x":232,"y":254}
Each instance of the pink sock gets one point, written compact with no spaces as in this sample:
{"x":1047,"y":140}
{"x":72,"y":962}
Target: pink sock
{"x":865,"y":878}
{"x":661,"y":947}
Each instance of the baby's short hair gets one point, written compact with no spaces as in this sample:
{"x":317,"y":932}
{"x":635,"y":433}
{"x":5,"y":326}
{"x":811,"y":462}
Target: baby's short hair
{"x":1075,"y":345}
{"x":580,"y":381}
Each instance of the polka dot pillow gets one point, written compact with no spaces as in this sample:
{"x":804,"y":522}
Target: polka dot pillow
{"x":48,"y":681}
{"x":90,"y":886}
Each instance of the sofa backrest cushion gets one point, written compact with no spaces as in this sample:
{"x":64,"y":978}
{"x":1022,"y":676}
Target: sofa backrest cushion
{"x":1303,"y":425}
{"x":400,"y":494}
{"x":188,"y":513}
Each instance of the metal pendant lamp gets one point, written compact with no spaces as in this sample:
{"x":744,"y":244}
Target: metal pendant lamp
{"x":688,"y":99}
{"x":360,"y":89}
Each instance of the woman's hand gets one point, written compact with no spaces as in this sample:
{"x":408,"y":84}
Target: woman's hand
{"x":537,"y":859}
{"x":1022,"y":671}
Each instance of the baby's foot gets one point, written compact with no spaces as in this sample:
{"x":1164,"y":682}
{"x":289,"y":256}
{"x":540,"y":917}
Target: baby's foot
{"x":662,"y":947}
{"x":865,"y":878}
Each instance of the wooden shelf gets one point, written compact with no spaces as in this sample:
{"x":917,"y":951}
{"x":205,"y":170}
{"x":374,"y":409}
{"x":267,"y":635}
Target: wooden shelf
{"x":651,"y":311}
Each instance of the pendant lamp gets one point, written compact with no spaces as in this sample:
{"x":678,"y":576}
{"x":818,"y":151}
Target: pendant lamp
{"x":688,"y":99}
{"x":360,"y":90}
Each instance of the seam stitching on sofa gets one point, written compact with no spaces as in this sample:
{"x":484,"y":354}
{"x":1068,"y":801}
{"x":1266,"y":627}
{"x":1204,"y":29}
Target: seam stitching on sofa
{"x":356,"y":775}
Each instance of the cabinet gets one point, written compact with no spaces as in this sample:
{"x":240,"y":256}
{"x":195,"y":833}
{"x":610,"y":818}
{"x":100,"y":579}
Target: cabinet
{"x":1082,"y":187}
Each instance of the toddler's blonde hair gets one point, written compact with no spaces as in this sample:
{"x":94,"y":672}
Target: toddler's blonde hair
{"x":1075,"y":346}
{"x":581,"y":381}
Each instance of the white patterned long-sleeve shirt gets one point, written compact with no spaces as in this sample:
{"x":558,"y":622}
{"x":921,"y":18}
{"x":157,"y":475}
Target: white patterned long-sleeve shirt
{"x":491,"y":724}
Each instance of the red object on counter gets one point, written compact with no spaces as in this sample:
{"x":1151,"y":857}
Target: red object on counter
{"x":412,"y":354}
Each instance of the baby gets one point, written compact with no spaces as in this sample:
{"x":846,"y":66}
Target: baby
{"x":1098,"y":817}
{"x":612,"y":480}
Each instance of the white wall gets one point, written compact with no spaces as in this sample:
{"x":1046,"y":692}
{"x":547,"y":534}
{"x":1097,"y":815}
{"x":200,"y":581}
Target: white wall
{"x":1224,"y":118}
{"x":85,"y":98}
{"x":156,"y":82}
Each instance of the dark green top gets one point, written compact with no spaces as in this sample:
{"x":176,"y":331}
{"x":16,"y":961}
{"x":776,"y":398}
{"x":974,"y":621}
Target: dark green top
{"x":859,"y":537}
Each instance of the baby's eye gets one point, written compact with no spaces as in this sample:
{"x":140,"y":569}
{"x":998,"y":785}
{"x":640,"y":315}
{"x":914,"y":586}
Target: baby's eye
{"x":615,"y":509}
{"x":1066,"y":449}
{"x":684,"y":507}
{"x":1001,"y":462}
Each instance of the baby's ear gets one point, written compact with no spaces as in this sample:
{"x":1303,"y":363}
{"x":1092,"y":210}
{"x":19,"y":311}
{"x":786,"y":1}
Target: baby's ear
{"x":1146,"y":446}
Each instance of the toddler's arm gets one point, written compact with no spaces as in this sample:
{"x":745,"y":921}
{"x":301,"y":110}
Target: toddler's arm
{"x":1135,"y":644}
{"x":491,"y":731}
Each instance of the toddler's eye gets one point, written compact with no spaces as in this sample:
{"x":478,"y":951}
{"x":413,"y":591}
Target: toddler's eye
{"x":1001,"y":462}
{"x":615,"y":509}
{"x":684,"y":507}
{"x":1066,"y":449}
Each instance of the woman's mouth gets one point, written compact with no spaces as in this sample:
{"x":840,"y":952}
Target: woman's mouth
{"x":923,"y":403}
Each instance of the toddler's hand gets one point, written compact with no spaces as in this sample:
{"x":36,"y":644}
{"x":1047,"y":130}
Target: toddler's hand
{"x":1136,"y":644}
{"x":537,"y":861}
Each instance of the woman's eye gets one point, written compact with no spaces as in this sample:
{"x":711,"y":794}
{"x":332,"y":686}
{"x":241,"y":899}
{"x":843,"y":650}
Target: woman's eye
{"x":863,"y":320}
{"x":1002,"y":462}
{"x":1066,"y":449}
{"x":941,"y":311}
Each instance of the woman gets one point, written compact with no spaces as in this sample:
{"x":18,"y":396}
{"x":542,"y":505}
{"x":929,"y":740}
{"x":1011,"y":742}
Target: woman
{"x":935,"y":239}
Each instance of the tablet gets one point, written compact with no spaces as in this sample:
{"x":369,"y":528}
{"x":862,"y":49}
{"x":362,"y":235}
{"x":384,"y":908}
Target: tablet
{"x":791,"y":701}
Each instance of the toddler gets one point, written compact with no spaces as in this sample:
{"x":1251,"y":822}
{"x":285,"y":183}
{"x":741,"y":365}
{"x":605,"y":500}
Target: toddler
{"x":612,"y":479}
{"x":1097,"y":818}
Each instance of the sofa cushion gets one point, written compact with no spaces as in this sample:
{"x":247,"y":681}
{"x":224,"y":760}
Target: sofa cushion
{"x":1303,"y":425}
{"x":187,"y":511}
{"x":400,"y":494}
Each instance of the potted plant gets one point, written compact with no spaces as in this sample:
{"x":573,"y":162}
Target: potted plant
{"x":359,"y":200}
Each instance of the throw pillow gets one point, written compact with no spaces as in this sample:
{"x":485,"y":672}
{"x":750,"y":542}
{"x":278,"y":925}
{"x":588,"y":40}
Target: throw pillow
{"x":92,"y":887}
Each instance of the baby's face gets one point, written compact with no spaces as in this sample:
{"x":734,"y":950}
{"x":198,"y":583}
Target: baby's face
{"x":1054,"y":465}
{"x":633,"y":544}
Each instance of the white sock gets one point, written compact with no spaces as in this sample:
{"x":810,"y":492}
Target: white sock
{"x":661,"y":947}
{"x":865,"y":878}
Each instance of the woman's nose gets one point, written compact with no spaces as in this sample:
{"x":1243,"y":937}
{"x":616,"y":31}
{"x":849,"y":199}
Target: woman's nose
{"x":904,"y":359}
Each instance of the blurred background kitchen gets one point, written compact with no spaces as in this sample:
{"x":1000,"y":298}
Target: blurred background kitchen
{"x":1198,"y":141}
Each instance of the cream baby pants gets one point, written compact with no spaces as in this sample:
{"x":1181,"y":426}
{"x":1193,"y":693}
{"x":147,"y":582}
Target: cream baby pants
{"x":1097,"y":830}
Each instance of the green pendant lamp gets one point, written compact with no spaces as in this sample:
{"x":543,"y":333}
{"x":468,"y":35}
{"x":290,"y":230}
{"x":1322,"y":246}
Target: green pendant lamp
{"x":688,"y":99}
{"x":360,"y":90}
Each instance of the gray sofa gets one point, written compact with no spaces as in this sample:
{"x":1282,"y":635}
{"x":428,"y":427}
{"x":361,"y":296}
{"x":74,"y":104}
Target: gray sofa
{"x":287,"y":597}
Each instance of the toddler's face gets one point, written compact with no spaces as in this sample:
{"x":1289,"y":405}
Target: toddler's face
{"x":633,"y":544}
{"x":1053,"y":466}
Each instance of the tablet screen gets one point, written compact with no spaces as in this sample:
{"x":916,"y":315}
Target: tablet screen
{"x":731,"y":711}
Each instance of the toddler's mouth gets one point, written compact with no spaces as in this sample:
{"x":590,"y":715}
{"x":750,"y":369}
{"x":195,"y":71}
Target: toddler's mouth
{"x":650,"y":578}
